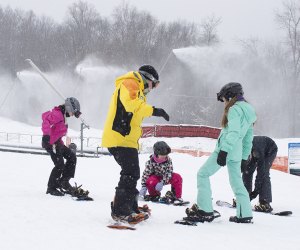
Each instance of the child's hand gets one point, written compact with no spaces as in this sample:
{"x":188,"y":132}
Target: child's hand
{"x":159,"y":186}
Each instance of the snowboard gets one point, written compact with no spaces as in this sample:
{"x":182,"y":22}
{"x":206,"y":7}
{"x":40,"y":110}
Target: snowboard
{"x":186,"y":222}
{"x":176,"y":203}
{"x":189,"y":221}
{"x":79,"y":198}
{"x":183,"y":203}
{"x":84,"y":198}
{"x":227,"y":204}
{"x":121,"y":226}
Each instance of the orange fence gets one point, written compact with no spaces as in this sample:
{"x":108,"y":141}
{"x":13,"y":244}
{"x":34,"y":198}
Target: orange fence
{"x":280,"y":163}
{"x":180,"y":131}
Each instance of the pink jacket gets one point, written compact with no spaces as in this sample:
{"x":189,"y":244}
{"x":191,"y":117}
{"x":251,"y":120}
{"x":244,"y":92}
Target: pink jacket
{"x":54,"y":125}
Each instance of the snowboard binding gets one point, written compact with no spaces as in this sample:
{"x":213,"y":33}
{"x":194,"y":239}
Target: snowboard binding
{"x":81,"y":194}
{"x":75,"y":191}
{"x":197,"y":215}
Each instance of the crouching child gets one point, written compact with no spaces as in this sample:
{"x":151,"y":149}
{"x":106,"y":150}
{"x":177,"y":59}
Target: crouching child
{"x":159,"y":173}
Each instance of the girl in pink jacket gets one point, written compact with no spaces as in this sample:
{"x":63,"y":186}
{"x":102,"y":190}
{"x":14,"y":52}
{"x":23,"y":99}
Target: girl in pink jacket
{"x":54,"y":127}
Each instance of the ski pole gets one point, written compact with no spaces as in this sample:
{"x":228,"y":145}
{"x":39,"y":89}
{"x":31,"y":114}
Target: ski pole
{"x":51,"y":85}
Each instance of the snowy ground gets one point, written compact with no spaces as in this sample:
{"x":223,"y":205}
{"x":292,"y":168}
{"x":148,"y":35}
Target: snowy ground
{"x":30,"y":219}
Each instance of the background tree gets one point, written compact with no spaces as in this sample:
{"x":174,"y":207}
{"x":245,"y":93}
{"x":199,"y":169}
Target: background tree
{"x":289,"y":21}
{"x":209,"y":26}
{"x":81,"y":26}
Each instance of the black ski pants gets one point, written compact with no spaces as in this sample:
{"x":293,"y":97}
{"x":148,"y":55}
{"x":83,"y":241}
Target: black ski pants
{"x":262,"y":181}
{"x":61,"y":169}
{"x":125,"y":201}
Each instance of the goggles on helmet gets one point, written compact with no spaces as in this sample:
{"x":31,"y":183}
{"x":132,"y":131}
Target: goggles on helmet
{"x":151,"y":78}
{"x":76,"y":112}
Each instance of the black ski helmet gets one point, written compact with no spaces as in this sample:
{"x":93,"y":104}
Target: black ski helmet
{"x":72,"y":105}
{"x":161,"y":148}
{"x":149,"y":72}
{"x":230,"y":90}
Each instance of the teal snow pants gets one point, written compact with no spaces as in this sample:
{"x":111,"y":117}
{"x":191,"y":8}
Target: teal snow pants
{"x":204,"y":198}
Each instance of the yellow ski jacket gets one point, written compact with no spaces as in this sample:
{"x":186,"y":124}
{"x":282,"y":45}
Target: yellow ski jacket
{"x":126,"y":112}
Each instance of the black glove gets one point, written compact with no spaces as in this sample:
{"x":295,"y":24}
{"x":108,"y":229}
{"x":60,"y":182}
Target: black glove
{"x":244,"y":165}
{"x":253,"y":195}
{"x":73,"y":147}
{"x":46,"y":142}
{"x":160,"y":113}
{"x":221,"y":160}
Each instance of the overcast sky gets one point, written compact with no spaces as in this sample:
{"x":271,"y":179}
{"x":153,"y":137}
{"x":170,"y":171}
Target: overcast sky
{"x":240,"y":18}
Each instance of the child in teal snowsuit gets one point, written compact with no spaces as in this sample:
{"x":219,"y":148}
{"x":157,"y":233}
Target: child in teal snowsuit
{"x":234,"y":144}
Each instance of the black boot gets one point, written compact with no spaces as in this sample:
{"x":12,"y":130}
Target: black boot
{"x":240,"y":220}
{"x":54,"y":191}
{"x":66,"y":187}
{"x":263,"y":206}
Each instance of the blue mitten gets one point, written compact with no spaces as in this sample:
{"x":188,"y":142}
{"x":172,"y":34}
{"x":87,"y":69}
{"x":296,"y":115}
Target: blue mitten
{"x":159,"y":186}
{"x":143,"y":191}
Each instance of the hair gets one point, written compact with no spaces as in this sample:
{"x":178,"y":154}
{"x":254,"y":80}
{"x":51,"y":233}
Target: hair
{"x":226,"y":109}
{"x":62,"y":107}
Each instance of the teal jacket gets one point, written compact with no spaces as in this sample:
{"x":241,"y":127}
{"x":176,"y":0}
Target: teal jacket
{"x":236,"y":138}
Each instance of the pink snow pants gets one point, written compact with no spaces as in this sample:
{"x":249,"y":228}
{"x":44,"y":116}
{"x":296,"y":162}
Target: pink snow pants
{"x":175,"y":181}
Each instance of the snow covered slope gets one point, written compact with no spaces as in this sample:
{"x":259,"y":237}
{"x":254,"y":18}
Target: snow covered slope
{"x":30,"y":219}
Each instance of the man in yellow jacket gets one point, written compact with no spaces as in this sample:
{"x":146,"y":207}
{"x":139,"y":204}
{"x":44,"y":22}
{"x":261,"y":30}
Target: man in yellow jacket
{"x":122,"y":131}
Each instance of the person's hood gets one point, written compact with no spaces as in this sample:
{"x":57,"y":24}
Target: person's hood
{"x":134,"y":75}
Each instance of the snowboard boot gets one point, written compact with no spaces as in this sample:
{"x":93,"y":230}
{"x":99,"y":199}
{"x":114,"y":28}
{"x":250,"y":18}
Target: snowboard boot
{"x":66,"y":187}
{"x":264,"y":207}
{"x":54,"y":191}
{"x":240,"y":220}
{"x":133,"y":218}
{"x":197,"y":215}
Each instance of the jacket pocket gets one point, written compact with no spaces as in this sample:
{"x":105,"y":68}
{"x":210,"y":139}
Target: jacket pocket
{"x":121,"y":123}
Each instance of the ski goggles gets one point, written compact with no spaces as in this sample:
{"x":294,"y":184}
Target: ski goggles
{"x":76,"y":112}
{"x":151,"y":78}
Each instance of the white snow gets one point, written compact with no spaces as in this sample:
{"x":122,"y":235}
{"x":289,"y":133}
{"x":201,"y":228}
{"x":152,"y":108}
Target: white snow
{"x":30,"y":219}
